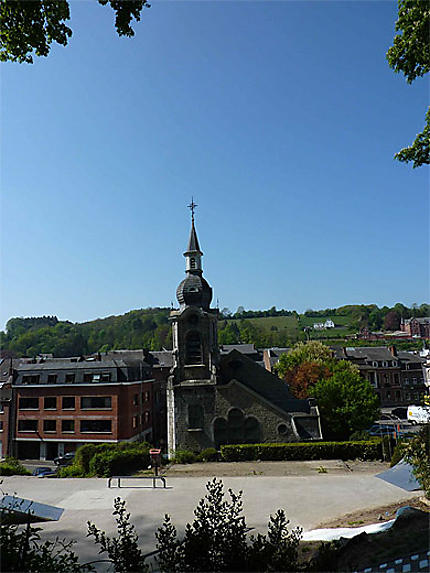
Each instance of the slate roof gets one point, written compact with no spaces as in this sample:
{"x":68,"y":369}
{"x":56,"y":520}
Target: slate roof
{"x":242,"y":348}
{"x":193,"y":242}
{"x":162,"y":358}
{"x":194,"y":290}
{"x":237,"y":366}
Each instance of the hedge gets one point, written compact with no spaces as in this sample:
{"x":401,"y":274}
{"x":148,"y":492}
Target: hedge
{"x":369,"y":450}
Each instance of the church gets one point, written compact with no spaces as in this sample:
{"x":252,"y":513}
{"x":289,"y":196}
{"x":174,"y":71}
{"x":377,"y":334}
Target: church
{"x":229,"y":399}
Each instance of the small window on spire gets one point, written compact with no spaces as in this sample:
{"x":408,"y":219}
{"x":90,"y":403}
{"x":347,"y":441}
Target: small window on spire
{"x":192,"y":263}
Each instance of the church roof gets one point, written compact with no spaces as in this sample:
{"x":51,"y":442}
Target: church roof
{"x":194,"y":290}
{"x":193,"y":242}
{"x":237,"y":366}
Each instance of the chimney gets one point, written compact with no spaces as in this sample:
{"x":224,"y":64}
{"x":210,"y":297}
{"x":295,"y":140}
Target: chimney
{"x":344,"y":352}
{"x":99,"y":356}
{"x":393,"y":350}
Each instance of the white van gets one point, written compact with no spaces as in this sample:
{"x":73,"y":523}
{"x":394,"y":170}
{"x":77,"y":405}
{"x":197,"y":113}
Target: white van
{"x":418,"y":414}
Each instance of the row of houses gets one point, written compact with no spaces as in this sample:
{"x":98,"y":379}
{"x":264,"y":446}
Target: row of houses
{"x":50,"y":406}
{"x":399,"y":378}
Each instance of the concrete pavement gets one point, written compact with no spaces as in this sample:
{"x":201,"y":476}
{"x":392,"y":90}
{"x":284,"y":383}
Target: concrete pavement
{"x":308,"y":500}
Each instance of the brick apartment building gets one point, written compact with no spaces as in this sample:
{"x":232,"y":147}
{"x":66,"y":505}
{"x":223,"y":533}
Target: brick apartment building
{"x":50,"y":406}
{"x":396,"y":376}
{"x":417,"y":327}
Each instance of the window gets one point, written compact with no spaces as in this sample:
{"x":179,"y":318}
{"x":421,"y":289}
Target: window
{"x":385,"y":364}
{"x":147,"y":417}
{"x":96,"y":426}
{"x":96,"y":402}
{"x":70,"y":378}
{"x":195,"y":416}
{"x":49,"y":425}
{"x":67,"y":426}
{"x":193,"y":348}
{"x":68,"y":403}
{"x":1,"y":425}
{"x":192,"y":263}
{"x":52,"y":378}
{"x":50,"y":403}
{"x":31,"y":379}
{"x":134,"y":422}
{"x":145,"y":396}
{"x":27,"y":425}
{"x":96,"y":377}
{"x":29,"y":403}
{"x":136,"y":400}
{"x":282,"y":429}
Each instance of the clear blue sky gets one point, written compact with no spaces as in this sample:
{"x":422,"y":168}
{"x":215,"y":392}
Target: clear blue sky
{"x":281,"y":118}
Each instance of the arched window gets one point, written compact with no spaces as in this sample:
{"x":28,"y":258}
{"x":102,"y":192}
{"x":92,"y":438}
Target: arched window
{"x":236,"y":429}
{"x":252,"y":430}
{"x":193,"y":348}
{"x":220,"y":432}
{"x":192,"y":263}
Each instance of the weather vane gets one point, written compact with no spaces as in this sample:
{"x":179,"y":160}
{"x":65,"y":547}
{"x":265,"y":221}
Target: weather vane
{"x":192,"y":207}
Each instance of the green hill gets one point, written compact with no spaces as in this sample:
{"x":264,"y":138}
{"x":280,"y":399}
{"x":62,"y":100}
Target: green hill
{"x":149,"y":328}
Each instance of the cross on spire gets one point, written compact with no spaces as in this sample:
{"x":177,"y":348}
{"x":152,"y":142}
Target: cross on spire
{"x":192,"y":207}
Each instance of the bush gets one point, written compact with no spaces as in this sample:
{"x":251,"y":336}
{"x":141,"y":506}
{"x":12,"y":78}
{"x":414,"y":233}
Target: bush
{"x":83,"y":457}
{"x":71,"y":471}
{"x":216,"y":540}
{"x":208,"y":455}
{"x":417,"y":453}
{"x":184,"y":457}
{"x":398,"y":453}
{"x":359,"y":436}
{"x":369,"y":450}
{"x":12,"y":467}
{"x":121,"y":461}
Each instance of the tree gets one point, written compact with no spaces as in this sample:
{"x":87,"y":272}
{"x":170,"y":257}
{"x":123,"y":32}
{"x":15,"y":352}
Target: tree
{"x":304,"y":376}
{"x":347,"y":402}
{"x":312,"y":351}
{"x":410,"y":54}
{"x":29,"y":28}
{"x":392,"y":320}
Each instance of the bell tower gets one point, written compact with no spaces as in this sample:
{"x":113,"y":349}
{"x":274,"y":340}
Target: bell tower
{"x":191,"y":385}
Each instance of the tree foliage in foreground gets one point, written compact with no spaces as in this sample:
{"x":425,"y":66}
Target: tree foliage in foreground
{"x":417,"y":453}
{"x":29,"y":28}
{"x":410,"y":54}
{"x":216,"y":540}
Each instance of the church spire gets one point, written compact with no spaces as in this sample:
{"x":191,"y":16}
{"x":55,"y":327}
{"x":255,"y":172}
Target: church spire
{"x":193,"y":253}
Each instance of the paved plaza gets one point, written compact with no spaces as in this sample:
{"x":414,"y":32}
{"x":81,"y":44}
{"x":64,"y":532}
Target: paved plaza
{"x":308,"y":500}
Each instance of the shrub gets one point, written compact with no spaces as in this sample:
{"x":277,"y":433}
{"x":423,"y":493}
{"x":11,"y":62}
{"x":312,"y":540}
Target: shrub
{"x":208,"y":455}
{"x":359,"y":436}
{"x":12,"y":467}
{"x":83,"y":457}
{"x":369,"y":450}
{"x":116,"y":462}
{"x":398,"y":453}
{"x":72,"y":471}
{"x":417,"y":453}
{"x":184,"y":457}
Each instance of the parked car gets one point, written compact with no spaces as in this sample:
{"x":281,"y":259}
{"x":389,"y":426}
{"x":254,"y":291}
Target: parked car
{"x":380,"y":430}
{"x":419,"y":414}
{"x":43,"y":471}
{"x":65,"y":459}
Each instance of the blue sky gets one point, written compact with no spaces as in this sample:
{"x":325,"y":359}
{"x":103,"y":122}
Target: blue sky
{"x":280,"y":118}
